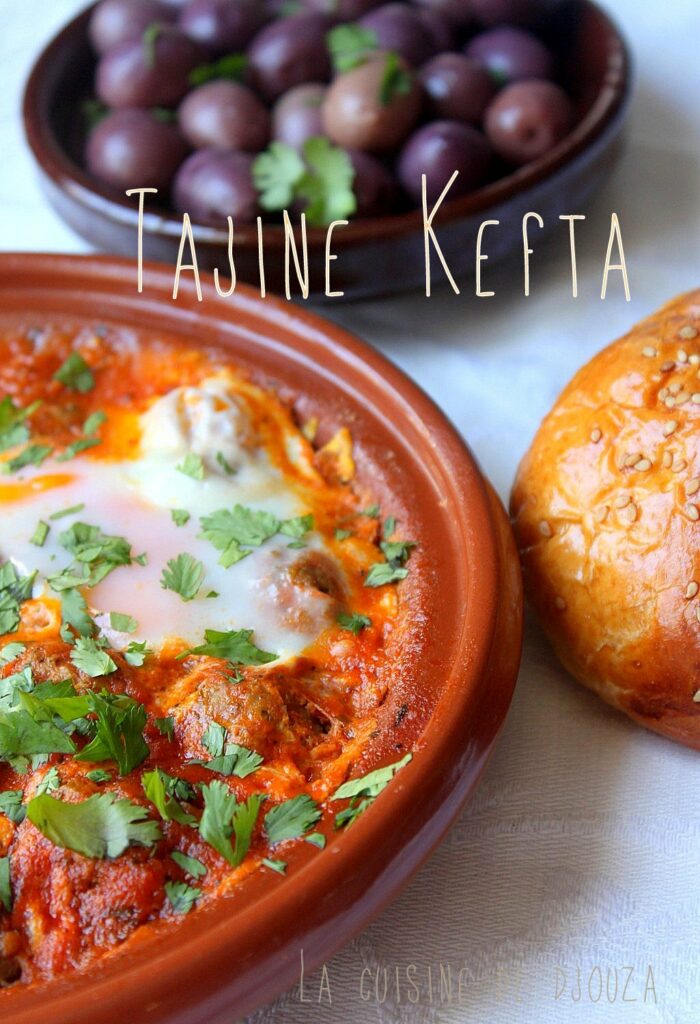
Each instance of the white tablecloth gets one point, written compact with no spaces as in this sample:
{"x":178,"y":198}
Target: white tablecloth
{"x":580,"y":855}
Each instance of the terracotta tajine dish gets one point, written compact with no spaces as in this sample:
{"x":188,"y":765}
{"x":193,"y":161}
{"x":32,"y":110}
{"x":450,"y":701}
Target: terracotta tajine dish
{"x":459,"y":632}
{"x":606,"y":511}
{"x":377,"y":255}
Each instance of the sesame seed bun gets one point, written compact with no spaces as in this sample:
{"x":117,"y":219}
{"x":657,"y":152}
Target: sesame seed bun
{"x":606,"y":511}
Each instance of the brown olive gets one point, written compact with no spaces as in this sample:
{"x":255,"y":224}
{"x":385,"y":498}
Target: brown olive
{"x":374,"y":106}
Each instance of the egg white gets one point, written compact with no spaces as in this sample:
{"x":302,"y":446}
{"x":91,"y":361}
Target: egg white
{"x":134,"y":499}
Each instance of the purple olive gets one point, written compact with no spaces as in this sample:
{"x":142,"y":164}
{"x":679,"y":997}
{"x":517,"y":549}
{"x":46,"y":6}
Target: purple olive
{"x":289,"y":52}
{"x":148,"y":72}
{"x":133,"y":149}
{"x":527,"y":119}
{"x":438,"y":150}
{"x":398,"y":27}
{"x":511,"y":54}
{"x":457,"y":12}
{"x":296,"y":116}
{"x":118,"y":21}
{"x":223,"y":26}
{"x":212,"y":185}
{"x":341,"y":10}
{"x":224,"y":115}
{"x":506,"y":12}
{"x":458,"y":87}
{"x":376,"y":190}
{"x":359,"y":113}
{"x":441,"y":31}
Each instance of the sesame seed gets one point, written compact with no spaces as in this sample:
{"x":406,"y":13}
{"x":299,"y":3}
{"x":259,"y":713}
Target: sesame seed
{"x":682,"y":397}
{"x":630,"y":512}
{"x":670,"y":427}
{"x":643,"y":465}
{"x":669,"y":402}
{"x":693,"y":486}
{"x":596,"y":435}
{"x":678,"y":464}
{"x":688,"y":332}
{"x":602,"y":513}
{"x":632,"y":459}
{"x":667,"y":366}
{"x":667,"y":460}
{"x":649,"y":351}
{"x":560,"y":603}
{"x":694,"y":359}
{"x":622,"y":500}
{"x":675,"y":387}
{"x":682,"y":356}
{"x":695,"y":397}
{"x":545,"y":529}
{"x":663,"y":393}
{"x":693,"y":511}
{"x":691,"y":590}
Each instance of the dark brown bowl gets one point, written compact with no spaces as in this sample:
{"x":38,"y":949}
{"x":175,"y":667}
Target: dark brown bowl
{"x":235,"y":955}
{"x":375,"y":256}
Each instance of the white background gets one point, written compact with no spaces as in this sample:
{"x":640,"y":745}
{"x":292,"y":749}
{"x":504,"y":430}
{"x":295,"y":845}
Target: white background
{"x":581,"y":849}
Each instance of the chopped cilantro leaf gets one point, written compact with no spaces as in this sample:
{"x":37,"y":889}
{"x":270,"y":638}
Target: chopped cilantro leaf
{"x":75,"y":374}
{"x":327,"y":184}
{"x":32,"y":455}
{"x":99,"y":775}
{"x":223,"y":816}
{"x":191,"y":865}
{"x":280,"y":866}
{"x":192,"y":465}
{"x":76,"y":447}
{"x":233,"y":646}
{"x":122,"y":623}
{"x":49,"y":783}
{"x":181,"y":896}
{"x":91,"y":659}
{"x":228,"y":758}
{"x":225,"y":464}
{"x":89,"y":546}
{"x":276,"y":174}
{"x":232,"y":530}
{"x":342,"y":534}
{"x":165,"y":726}
{"x":40,"y":534}
{"x":350,"y":45}
{"x":11,"y":651}
{"x":363,"y":792}
{"x":232,"y":66}
{"x":11,"y":805}
{"x":136,"y":653}
{"x":160,"y":789}
{"x":289,"y":820}
{"x":389,"y":526}
{"x":73,"y":510}
{"x":14,"y":589}
{"x":180,"y":516}
{"x":100,"y":826}
{"x":22,"y":736}
{"x":372,"y":512}
{"x":5,"y":884}
{"x":75,"y":613}
{"x":13,"y":428}
{"x":118,"y":732}
{"x":397,"y":553}
{"x":316,"y":839}
{"x":184,"y":575}
{"x":93,"y":422}
{"x":396,"y":81}
{"x":353,"y":622}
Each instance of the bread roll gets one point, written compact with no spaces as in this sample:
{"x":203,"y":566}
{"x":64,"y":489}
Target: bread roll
{"x":606,"y":510}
